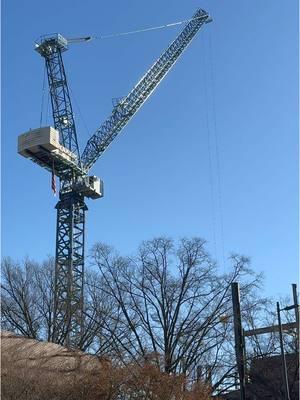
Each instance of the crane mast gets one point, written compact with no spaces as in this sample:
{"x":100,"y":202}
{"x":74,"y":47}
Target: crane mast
{"x":71,"y":207}
{"x":57,"y":151}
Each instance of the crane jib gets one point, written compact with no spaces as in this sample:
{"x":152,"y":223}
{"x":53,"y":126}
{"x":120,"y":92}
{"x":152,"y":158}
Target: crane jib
{"x":128,"y":106}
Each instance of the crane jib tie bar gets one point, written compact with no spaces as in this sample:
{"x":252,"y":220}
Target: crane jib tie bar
{"x":114,"y":35}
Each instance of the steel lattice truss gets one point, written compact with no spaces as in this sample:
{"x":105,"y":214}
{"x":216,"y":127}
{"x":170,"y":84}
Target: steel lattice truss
{"x":69,"y":268}
{"x":71,"y":208}
{"x":128,"y":106}
{"x":62,"y":112}
{"x":69,"y":261}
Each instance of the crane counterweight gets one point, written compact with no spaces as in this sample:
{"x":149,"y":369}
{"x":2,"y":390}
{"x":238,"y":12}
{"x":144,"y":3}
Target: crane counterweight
{"x":43,"y":147}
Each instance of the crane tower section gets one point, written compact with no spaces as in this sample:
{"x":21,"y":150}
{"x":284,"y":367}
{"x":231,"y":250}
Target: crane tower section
{"x":56,"y":149}
{"x":51,"y":48}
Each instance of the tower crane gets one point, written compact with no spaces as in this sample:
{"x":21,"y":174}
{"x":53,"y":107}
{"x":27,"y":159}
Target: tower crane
{"x":56,"y":149}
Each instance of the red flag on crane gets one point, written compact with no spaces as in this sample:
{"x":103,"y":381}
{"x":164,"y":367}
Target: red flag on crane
{"x":53,"y":181}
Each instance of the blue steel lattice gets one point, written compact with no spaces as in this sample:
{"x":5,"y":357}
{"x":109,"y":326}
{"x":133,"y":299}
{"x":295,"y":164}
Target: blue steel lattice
{"x":127,"y":107}
{"x":71,"y":208}
{"x":51,"y":48}
{"x":69,"y":269}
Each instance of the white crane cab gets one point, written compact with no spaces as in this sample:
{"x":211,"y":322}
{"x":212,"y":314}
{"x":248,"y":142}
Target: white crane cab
{"x":89,"y":186}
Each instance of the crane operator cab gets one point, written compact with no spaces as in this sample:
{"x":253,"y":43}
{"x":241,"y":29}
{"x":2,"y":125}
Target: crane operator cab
{"x":89,"y":186}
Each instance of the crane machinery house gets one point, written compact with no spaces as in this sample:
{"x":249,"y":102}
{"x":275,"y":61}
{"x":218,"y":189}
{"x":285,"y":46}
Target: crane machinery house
{"x":42,"y":144}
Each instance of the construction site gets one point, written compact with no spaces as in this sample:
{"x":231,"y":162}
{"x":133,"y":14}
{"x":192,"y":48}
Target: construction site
{"x":148,"y":294}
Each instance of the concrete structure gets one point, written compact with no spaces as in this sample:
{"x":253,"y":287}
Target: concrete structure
{"x":266,"y":379}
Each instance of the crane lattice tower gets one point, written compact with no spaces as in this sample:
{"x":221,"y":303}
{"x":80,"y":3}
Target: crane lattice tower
{"x":56,"y":149}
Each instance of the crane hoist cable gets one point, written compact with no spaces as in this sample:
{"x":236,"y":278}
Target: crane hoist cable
{"x":214,"y":162}
{"x":217,"y":150}
{"x":210,"y":156}
{"x":80,"y":114}
{"x":43,"y":96}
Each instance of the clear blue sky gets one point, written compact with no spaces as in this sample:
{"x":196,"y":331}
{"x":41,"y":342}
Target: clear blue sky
{"x":157,"y":174}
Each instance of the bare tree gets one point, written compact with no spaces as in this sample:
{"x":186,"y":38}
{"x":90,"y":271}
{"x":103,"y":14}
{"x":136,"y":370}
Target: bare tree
{"x":20,"y":300}
{"x":168,"y":302}
{"x":27,"y":303}
{"x":171,"y":301}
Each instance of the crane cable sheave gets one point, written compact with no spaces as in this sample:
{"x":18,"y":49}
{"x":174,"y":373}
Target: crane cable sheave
{"x":127,"y":107}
